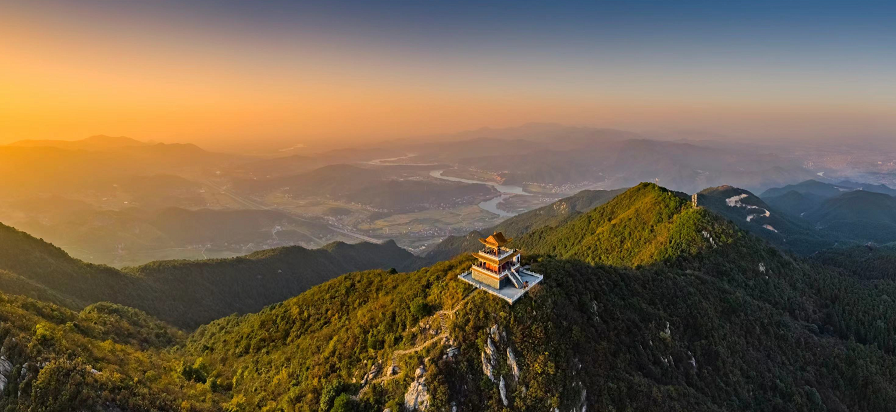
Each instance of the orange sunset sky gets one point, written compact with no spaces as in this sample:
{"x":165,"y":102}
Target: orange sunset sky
{"x":221,"y":73}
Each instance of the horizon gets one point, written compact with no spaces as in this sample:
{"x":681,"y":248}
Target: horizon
{"x":227,"y":74}
{"x":428,"y":206}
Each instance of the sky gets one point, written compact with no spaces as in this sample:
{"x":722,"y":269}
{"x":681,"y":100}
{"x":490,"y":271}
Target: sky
{"x":227,"y":73}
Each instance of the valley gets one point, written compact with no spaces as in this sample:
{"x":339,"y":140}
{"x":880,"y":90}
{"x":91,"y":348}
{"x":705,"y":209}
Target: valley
{"x":417,"y":194}
{"x":442,"y":206}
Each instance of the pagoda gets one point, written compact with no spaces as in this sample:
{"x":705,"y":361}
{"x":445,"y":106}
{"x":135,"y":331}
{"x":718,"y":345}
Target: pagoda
{"x":498,"y":269}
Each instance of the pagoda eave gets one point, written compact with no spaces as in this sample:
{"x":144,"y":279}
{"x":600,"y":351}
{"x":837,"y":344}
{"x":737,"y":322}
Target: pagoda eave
{"x":495,"y":260}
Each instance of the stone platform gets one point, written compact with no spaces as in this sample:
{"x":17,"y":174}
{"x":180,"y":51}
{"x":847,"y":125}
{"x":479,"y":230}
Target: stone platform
{"x":509,"y":293}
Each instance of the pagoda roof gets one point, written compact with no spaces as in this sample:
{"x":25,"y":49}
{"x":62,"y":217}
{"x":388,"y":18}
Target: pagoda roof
{"x":497,"y":239}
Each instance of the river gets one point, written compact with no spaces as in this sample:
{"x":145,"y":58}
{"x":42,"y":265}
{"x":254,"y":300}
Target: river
{"x":490,"y":205}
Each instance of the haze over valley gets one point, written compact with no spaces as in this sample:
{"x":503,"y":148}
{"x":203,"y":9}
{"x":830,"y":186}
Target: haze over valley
{"x":124,"y":202}
{"x":447,"y":206}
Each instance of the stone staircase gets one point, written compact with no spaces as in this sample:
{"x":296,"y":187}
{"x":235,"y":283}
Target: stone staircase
{"x":515,"y":278}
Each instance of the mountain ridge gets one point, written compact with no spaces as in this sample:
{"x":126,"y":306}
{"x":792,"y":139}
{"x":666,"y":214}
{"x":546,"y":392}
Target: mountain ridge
{"x":647,"y":304}
{"x":186,"y":293}
{"x":688,"y":325}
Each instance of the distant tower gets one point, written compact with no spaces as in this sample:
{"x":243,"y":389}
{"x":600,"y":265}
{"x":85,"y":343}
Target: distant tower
{"x":694,"y":200}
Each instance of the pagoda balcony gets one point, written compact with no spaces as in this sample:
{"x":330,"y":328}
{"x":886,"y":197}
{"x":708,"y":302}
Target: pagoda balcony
{"x":503,"y":256}
{"x":502,"y":253}
{"x":488,"y":271}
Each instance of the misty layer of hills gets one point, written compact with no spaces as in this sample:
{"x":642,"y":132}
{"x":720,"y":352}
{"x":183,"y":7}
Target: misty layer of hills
{"x":120,"y":201}
{"x":648,"y":303}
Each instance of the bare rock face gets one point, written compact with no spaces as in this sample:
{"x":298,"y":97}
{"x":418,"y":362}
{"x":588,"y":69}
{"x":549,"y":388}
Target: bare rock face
{"x":583,"y":400}
{"x":374,"y":371}
{"x":490,"y":359}
{"x":417,"y":396}
{"x":5,"y":369}
{"x":491,"y":351}
{"x":392,"y":370}
{"x":487,"y":367}
{"x":503,"y":389}
{"x":511,"y":361}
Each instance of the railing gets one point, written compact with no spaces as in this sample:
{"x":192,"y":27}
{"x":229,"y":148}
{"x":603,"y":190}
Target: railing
{"x":484,"y":268}
{"x":506,"y":252}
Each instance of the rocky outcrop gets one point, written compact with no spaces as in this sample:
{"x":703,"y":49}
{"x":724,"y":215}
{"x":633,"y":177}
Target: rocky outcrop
{"x":5,"y":369}
{"x":374,"y":371}
{"x":667,"y":334}
{"x":487,"y":368}
{"x":583,"y":401}
{"x":503,"y":389}
{"x":514,"y":368}
{"x":582,"y":405}
{"x":417,"y":396}
{"x":490,"y":359}
{"x":497,"y":338}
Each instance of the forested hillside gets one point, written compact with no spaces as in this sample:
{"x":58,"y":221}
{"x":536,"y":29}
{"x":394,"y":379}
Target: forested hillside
{"x":754,"y":215}
{"x":184,"y":293}
{"x":862,"y":262}
{"x":844,"y":214}
{"x":690,"y":314}
{"x":859,"y":215}
{"x":643,"y":225}
{"x":103,"y":358}
{"x":647,"y":304}
{"x":550,"y":215}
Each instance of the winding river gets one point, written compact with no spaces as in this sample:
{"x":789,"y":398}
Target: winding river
{"x":490,"y":205}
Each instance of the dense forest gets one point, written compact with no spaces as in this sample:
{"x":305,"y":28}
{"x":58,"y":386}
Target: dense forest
{"x":647,"y":304}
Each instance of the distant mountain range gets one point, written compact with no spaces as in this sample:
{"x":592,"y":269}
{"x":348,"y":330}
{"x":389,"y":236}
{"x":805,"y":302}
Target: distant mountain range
{"x":99,"y":142}
{"x":185,"y":293}
{"x":116,"y":183}
{"x":754,"y":215}
{"x":134,"y":236}
{"x":847,"y":211}
{"x":47,"y":170}
{"x":555,"y":155}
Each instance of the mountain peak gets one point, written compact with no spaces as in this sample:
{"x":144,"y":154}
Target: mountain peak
{"x":647,"y":224}
{"x":92,"y":143}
